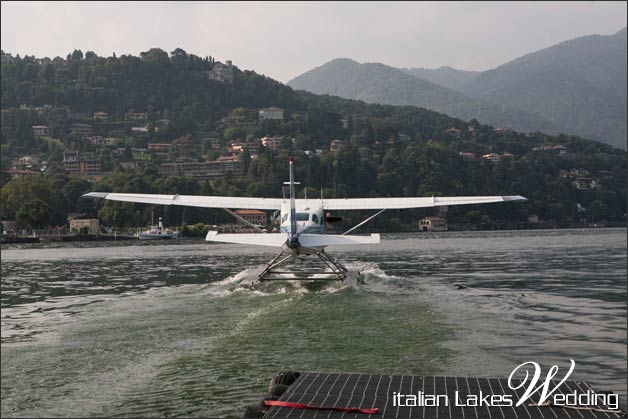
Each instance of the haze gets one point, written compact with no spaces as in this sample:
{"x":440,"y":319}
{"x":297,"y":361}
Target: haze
{"x":283,"y":40}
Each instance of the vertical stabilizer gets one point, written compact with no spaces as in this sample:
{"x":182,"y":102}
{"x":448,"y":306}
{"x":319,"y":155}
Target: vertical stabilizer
{"x":293,"y":211}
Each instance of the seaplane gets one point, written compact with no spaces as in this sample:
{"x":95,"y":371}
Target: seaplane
{"x":302,"y":230}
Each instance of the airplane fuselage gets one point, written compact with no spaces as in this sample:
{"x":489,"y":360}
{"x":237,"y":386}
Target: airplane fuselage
{"x":310,"y":217}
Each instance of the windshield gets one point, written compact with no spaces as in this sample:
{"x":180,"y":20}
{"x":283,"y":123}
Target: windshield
{"x":303,"y":216}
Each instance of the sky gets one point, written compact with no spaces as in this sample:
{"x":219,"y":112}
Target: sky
{"x":283,"y":40}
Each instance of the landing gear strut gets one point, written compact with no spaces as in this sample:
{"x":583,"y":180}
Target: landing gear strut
{"x":328,"y":270}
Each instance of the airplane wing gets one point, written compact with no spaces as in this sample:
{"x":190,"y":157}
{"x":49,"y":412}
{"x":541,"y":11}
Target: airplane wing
{"x":192,"y":200}
{"x":404,"y":203}
{"x":259,"y":239}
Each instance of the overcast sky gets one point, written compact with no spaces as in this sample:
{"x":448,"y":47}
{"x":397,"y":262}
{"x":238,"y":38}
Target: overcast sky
{"x":283,"y":40}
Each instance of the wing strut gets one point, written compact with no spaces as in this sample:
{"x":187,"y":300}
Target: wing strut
{"x":237,"y":217}
{"x":364,"y":222}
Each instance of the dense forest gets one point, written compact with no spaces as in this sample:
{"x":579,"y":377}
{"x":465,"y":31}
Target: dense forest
{"x":386,"y":150}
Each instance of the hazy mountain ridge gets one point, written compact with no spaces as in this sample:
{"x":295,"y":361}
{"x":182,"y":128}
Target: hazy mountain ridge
{"x":445,"y":76}
{"x":379,"y":83}
{"x":579,"y":85}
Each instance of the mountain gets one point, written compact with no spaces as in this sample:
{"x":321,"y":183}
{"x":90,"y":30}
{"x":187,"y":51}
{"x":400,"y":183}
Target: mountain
{"x":379,"y":83}
{"x":346,"y":147}
{"x":444,"y":76}
{"x":579,"y":85}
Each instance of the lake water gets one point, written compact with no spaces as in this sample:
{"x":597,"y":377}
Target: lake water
{"x":166,"y":329}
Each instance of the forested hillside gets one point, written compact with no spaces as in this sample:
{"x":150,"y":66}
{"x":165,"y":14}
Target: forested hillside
{"x":136,"y":116}
{"x":578,"y":85}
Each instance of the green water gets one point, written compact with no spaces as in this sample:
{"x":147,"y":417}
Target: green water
{"x":168,"y":329}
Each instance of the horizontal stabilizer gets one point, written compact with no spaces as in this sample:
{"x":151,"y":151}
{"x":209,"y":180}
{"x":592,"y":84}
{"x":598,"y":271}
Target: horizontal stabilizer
{"x":261,"y":239}
{"x":320,"y":240}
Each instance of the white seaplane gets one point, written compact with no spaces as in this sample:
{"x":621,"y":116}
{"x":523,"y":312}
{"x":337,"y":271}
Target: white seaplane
{"x":302,"y":227}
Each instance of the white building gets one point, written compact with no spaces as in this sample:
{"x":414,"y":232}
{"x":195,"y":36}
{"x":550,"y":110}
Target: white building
{"x":40,"y":130}
{"x":433,"y":224}
{"x":271,"y":113}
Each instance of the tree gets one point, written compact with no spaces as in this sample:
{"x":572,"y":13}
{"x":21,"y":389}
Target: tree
{"x":33,"y":213}
{"x":20,"y":190}
{"x":155,"y":56}
{"x":49,"y":72}
{"x":77,"y":54}
{"x":246,"y":159}
{"x":118,"y":214}
{"x":598,"y":210}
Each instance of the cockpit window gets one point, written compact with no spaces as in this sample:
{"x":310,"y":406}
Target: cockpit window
{"x":303,"y":216}
{"x":315,"y":218}
{"x":284,"y":218}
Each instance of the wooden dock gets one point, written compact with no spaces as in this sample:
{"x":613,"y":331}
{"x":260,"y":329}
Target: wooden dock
{"x":332,"y":395}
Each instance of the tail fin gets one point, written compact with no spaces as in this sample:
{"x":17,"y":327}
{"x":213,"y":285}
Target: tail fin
{"x":293,"y":211}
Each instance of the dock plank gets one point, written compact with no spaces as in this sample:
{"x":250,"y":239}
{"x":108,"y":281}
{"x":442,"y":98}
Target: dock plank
{"x":376,"y":391}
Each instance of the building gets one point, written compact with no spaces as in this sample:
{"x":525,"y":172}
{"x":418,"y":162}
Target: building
{"x":229,"y":158}
{"x":203,"y":170}
{"x":253,"y":216}
{"x":9,"y":227}
{"x":573,"y":173}
{"x":16,"y":173}
{"x":237,"y":147}
{"x":160,"y":147}
{"x":271,"y":113}
{"x":28,"y":160}
{"x":71,"y":161}
{"x":433,"y":224}
{"x":455,"y":132}
{"x":136,"y":116}
{"x":101,"y":116}
{"x":467,"y":155}
{"x":586,"y":183}
{"x":76,"y":164}
{"x":89,"y":167}
{"x":81,"y":129}
{"x":98,"y":140}
{"x":41,"y":130}
{"x":89,"y":226}
{"x":560,"y":148}
{"x":128,"y":165}
{"x":222,"y":72}
{"x":139,"y":153}
{"x":272,"y":142}
{"x":492,"y":157}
